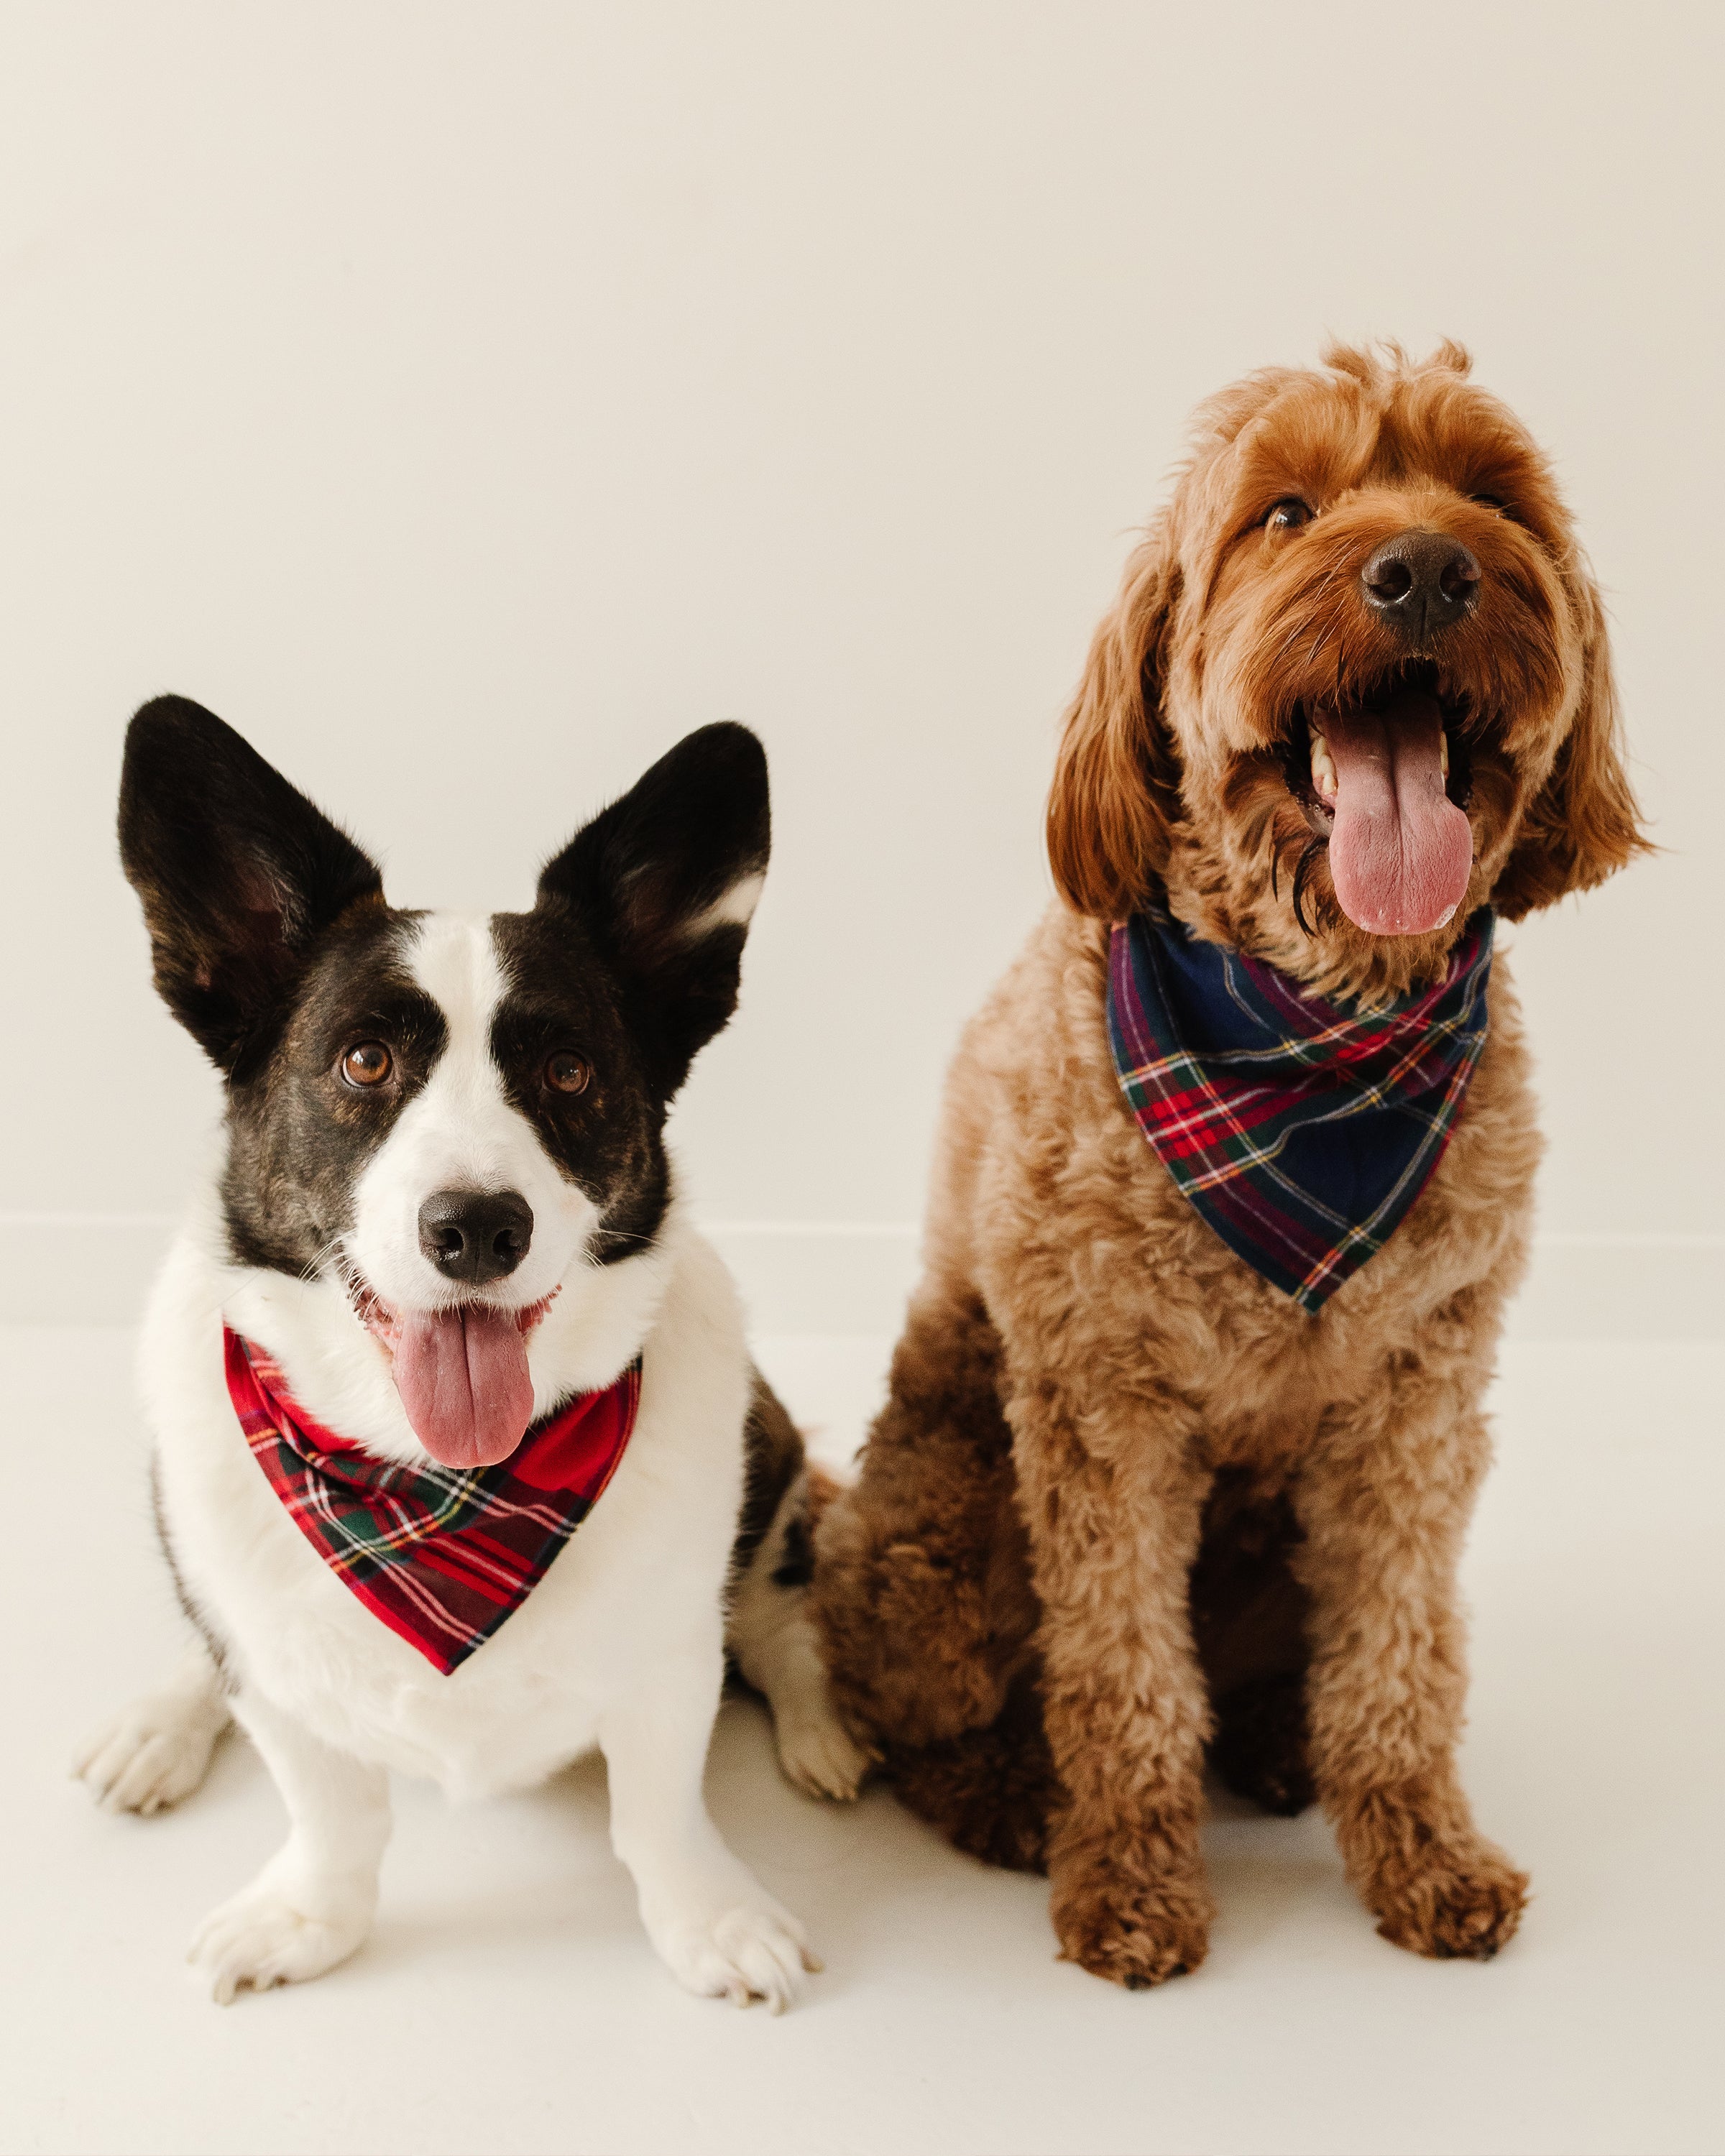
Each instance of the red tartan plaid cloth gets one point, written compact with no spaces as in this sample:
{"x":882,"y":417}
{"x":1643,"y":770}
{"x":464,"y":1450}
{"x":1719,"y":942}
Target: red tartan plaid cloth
{"x":1302,"y":1131}
{"x":442,"y":1556}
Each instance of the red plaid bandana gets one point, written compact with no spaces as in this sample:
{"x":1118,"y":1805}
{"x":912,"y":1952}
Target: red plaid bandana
{"x":1302,"y":1129}
{"x":441,"y":1555}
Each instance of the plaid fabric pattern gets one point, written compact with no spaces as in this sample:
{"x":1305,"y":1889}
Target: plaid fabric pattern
{"x":442,"y":1556}
{"x":1302,"y":1131}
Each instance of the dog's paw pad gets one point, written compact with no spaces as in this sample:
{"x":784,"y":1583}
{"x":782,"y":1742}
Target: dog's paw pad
{"x":747,"y":1953}
{"x":819,"y":1754}
{"x":150,"y":1756}
{"x":261,"y":1939}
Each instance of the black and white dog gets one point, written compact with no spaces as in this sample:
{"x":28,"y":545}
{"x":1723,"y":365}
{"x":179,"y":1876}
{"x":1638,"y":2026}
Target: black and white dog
{"x":444,"y":1212}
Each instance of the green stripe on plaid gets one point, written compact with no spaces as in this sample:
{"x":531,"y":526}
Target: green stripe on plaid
{"x":441,"y":1555}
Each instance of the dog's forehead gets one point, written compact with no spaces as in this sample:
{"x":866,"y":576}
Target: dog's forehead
{"x":461,"y":967}
{"x":552,"y":970}
{"x":1324,"y":434}
{"x":453,"y":959}
{"x":363,"y":969}
{"x":1316,"y":432}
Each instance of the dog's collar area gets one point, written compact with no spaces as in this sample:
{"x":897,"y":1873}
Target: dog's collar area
{"x":1301,"y":1130}
{"x":442,"y":1556}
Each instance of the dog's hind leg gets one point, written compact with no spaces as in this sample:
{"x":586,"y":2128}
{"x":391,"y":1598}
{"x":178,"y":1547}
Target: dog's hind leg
{"x":769,"y":1636}
{"x":1248,"y":1619}
{"x":778,"y":1650}
{"x":313,"y":1903}
{"x":922,"y":1585}
{"x":157,"y":1750}
{"x":991,"y":1792}
{"x":1261,"y":1750}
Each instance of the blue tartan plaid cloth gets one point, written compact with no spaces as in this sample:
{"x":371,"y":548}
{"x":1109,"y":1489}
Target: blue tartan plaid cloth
{"x":1302,"y":1129}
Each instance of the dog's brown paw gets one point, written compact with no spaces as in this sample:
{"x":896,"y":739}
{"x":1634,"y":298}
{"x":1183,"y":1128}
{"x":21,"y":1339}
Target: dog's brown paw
{"x":1461,"y":1904}
{"x":1134,"y":1933}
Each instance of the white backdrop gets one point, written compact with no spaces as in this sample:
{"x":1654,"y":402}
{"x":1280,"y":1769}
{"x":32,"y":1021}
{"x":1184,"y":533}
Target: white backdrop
{"x":466,"y":400}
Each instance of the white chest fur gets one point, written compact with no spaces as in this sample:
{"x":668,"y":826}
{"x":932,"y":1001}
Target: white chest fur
{"x":637,"y":1588}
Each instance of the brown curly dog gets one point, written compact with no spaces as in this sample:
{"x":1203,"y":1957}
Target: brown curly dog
{"x":1128,"y":1499}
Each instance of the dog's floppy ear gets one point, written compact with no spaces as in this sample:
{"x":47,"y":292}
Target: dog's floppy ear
{"x":1582,"y":825}
{"x":666,"y":880}
{"x":238,"y":873}
{"x":1116,"y":783}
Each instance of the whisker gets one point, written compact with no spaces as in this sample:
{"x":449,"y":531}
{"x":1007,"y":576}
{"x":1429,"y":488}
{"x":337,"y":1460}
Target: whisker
{"x":1308,"y":862}
{"x":313,"y":1268}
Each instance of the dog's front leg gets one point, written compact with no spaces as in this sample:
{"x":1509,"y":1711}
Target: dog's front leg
{"x":1384,"y":1503}
{"x":312,"y":1903}
{"x":1113,"y":1502}
{"x":712,"y":1923}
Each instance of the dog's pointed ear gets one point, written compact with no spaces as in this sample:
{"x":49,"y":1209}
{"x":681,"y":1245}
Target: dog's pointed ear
{"x":666,"y":880}
{"x":1116,"y":788}
{"x":1582,"y":825}
{"x":238,"y":873}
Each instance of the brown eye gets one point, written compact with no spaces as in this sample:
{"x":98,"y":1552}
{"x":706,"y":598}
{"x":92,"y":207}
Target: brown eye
{"x":1289,"y":515}
{"x":367,"y":1063}
{"x":566,"y":1074}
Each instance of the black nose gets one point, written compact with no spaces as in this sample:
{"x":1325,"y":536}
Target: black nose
{"x":475,"y":1235}
{"x":1421,"y":582}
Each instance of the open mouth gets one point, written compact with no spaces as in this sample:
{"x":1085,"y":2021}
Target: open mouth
{"x":461,"y":1372}
{"x":1383,"y":777}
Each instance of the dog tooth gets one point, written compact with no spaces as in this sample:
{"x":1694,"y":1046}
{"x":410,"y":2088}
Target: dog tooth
{"x":1323,"y":771}
{"x":1444,"y":753}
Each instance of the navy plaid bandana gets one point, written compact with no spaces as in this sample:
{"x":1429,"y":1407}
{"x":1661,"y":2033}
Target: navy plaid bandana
{"x":1302,"y":1129}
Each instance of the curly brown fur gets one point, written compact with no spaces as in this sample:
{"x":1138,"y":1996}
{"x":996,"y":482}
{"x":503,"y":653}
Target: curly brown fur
{"x":1120,"y":1478}
{"x":955,"y":1571}
{"x":992,"y":1792}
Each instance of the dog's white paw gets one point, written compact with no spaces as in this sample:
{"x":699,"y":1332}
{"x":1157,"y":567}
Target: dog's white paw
{"x":818,"y":1753}
{"x":152,"y":1753}
{"x":753,"y":1950}
{"x":262,"y":1937}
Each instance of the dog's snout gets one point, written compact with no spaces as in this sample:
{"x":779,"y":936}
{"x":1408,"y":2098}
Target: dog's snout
{"x":475,"y":1235}
{"x":1421,"y":582}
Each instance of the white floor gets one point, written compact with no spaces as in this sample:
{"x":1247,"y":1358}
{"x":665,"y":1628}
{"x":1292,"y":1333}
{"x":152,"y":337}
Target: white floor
{"x":508,"y":2001}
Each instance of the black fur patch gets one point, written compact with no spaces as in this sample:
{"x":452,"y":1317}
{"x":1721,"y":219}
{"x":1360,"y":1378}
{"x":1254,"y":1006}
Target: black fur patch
{"x":795,"y":1568}
{"x":274,"y":947}
{"x":641,"y":874}
{"x":240,"y":876}
{"x":562,"y":993}
{"x":299,"y":1136}
{"x":611,"y":965}
{"x":773,"y":1460}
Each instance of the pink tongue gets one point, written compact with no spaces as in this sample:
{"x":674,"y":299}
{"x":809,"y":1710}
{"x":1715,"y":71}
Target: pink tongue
{"x":1401,"y":851}
{"x":463,"y":1378}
